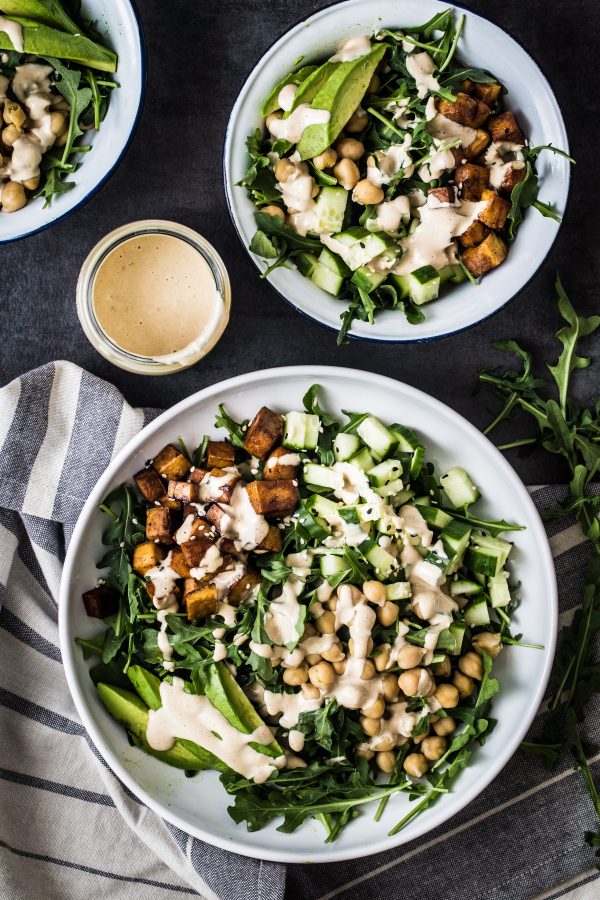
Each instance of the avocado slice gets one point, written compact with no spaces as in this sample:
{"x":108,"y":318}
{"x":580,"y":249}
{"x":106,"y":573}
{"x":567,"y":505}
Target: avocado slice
{"x":48,"y":12}
{"x":340,"y":95}
{"x":44,"y":41}
{"x":310,"y":87}
{"x":272,"y":101}
{"x":127,"y":708}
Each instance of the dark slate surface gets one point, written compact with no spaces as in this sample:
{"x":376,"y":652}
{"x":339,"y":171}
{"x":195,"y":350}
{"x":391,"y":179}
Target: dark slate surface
{"x":199,"y":55}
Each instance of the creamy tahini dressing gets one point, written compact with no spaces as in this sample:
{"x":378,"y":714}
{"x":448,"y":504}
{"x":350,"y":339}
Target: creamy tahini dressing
{"x":241,"y":523}
{"x":14,"y":32}
{"x":445,"y":129}
{"x":421,"y":66}
{"x":281,"y":619}
{"x":390,"y":214}
{"x":352,"y":48}
{"x":31,"y":84}
{"x":155,"y":295}
{"x":433,"y":241}
{"x":292,"y":128}
{"x":286,"y":96}
{"x":192,"y":717}
{"x":164,"y":578}
{"x":389,"y":162}
{"x":439,"y":162}
{"x":286,"y":459}
{"x":502,"y":157}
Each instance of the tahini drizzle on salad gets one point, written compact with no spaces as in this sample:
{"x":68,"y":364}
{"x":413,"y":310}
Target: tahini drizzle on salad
{"x":306,"y":608}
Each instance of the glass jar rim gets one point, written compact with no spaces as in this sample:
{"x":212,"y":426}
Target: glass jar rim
{"x":102,"y":342}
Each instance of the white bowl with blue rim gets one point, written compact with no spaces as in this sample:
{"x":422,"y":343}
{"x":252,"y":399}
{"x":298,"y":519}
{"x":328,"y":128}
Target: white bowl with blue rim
{"x":119,"y":26}
{"x":530,"y":97}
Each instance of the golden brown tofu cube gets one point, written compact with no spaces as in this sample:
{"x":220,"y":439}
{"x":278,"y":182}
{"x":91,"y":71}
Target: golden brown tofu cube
{"x":488,"y":93}
{"x":201,"y":601}
{"x":183,"y":490}
{"x":169,"y":502}
{"x":474,"y":234}
{"x":178,"y":563}
{"x":446,"y":196}
{"x":467,"y":86}
{"x":214,"y":514}
{"x":495,"y":210}
{"x":171,"y":463}
{"x":197,"y":475}
{"x":271,"y":543}
{"x":264,"y":431}
{"x":472,"y":180}
{"x":463,"y":110}
{"x":220,"y":455}
{"x":149,"y":484}
{"x":482,"y":114}
{"x":511,"y":178}
{"x":278,"y":465}
{"x":146,"y":556}
{"x":245,"y":588}
{"x":159,"y":526}
{"x":273,"y":498}
{"x":477,"y":146}
{"x":489,"y":254}
{"x":101,"y":602}
{"x":175,"y":591}
{"x":195,"y":549}
{"x":220,"y":485}
{"x":504,"y":128}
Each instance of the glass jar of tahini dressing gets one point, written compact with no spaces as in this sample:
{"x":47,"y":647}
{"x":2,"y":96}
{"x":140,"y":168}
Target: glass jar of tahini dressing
{"x":153,"y":297}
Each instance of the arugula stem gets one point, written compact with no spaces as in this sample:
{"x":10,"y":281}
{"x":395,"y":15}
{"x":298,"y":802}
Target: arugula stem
{"x":452,"y":50}
{"x":386,"y":122}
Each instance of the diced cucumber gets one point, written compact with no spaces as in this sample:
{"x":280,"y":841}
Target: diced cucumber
{"x":400,"y":282}
{"x":331,"y":564}
{"x":457,"y":630}
{"x":301,"y":431}
{"x":326,"y":279}
{"x":498,"y":590}
{"x":484,"y":560}
{"x":382,"y":561}
{"x":321,"y":476}
{"x":431,"y":569}
{"x":384,"y":472}
{"x":477,"y":613}
{"x":459,"y":488}
{"x":390,"y":489}
{"x":361,"y":245}
{"x":434,"y":516}
{"x":403,"y":496}
{"x":456,"y":274}
{"x":484,"y":540}
{"x":455,"y":538}
{"x":363,"y":460}
{"x":423,"y":285}
{"x":464,"y":587}
{"x":367,"y":279}
{"x":316,"y":526}
{"x":367,"y":512}
{"x":349,"y":514}
{"x":398,"y":590}
{"x":446,"y":274}
{"x":376,"y":436}
{"x":334,"y":262}
{"x":306,"y":263}
{"x":330,"y":208}
{"x":387,"y":525}
{"x":323,"y":508}
{"x":408,"y":442}
{"x":345,"y":446}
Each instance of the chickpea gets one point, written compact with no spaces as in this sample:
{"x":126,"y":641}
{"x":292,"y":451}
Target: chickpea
{"x":415,"y":765}
{"x":358,"y":121}
{"x":367,"y":193}
{"x":384,"y":742}
{"x":350,"y":148}
{"x":296,"y":675}
{"x":489,"y":642}
{"x":351,"y":646}
{"x":272,"y":118}
{"x":419,"y":738}
{"x":443,"y":668}
{"x":339,"y":667}
{"x":346,"y":173}
{"x":471,"y":664}
{"x":374,"y":85}
{"x":334,"y":653}
{"x":321,"y":675}
{"x":416,"y":683}
{"x":309,"y":631}
{"x":332,"y":604}
{"x":274,"y":211}
{"x":374,"y":591}
{"x":386,"y":761}
{"x":369,"y":671}
{"x":310,"y":692}
{"x":32,"y":183}
{"x":465,"y":685}
{"x":325,"y":624}
{"x":10,"y":134}
{"x":283,"y":170}
{"x":365,"y":753}
{"x":444,"y":726}
{"x":13,"y":114}
{"x":409,"y":656}
{"x":433,"y":748}
{"x":390,"y":686}
{"x":61,"y":140}
{"x":13,"y":197}
{"x":58,"y":123}
{"x":447,"y":696}
{"x":325,"y":160}
{"x":382,"y":659}
{"x":313,"y":659}
{"x":375,"y":710}
{"x":371,"y":727}
{"x":387,"y":614}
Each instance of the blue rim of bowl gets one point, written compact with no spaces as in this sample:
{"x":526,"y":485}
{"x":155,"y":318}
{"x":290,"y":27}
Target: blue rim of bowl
{"x":352,"y":336}
{"x":94,"y":190}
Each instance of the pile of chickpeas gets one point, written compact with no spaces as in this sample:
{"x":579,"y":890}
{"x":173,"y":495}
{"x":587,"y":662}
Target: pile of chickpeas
{"x":449,"y":683}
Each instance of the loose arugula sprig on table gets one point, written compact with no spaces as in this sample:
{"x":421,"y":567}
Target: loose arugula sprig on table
{"x":566,"y":428}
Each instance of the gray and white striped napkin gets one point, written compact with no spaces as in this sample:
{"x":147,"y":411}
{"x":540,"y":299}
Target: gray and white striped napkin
{"x":69,"y":828}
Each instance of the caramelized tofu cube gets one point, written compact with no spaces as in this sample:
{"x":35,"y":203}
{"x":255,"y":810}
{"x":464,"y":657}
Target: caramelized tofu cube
{"x":482,"y":114}
{"x":278,"y":465}
{"x":462,"y":110}
{"x":474,"y":234}
{"x":101,"y":602}
{"x":489,"y":254}
{"x":183,"y":490}
{"x":444,"y":196}
{"x":170,"y":502}
{"x":178,"y":563}
{"x":197,"y":475}
{"x":271,"y":543}
{"x":219,"y":486}
{"x":149,"y":484}
{"x":495,"y":210}
{"x":273,"y":498}
{"x":200,"y":600}
{"x":214,"y":514}
{"x":175,"y":593}
{"x":195,"y":550}
{"x":504,"y":128}
{"x":467,"y":86}
{"x":246,"y":587}
{"x":146,"y":556}
{"x":488,"y":93}
{"x":171,"y":463}
{"x":220,"y":455}
{"x":472,"y":180}
{"x":159,"y":526}
{"x":264,"y":431}
{"x":477,"y":146}
{"x":512,"y":177}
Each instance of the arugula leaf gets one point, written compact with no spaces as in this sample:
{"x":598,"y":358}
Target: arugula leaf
{"x":263,"y":246}
{"x":569,"y":335}
{"x":317,"y":724}
{"x":272,"y":226}
{"x":235,"y":430}
{"x":78,"y":98}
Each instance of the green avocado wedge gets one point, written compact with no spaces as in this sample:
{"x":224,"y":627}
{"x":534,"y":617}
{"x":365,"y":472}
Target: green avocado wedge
{"x":340,"y":95}
{"x":48,"y":12}
{"x":310,"y":86}
{"x":272,"y":101}
{"x":41,"y":40}
{"x":127,"y":708}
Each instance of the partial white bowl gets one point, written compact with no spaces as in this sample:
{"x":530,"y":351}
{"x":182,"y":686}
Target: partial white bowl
{"x":530,"y":97}
{"x":119,"y":24}
{"x":199,"y":806}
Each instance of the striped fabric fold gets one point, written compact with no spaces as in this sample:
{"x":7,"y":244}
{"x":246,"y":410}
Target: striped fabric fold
{"x":69,"y":828}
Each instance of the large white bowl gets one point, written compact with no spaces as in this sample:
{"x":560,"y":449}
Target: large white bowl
{"x":119,"y":24}
{"x":530,"y":97}
{"x":200,"y":806}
